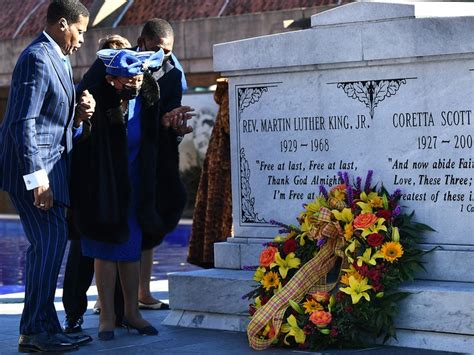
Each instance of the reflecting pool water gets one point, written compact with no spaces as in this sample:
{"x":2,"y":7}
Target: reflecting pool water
{"x":170,"y":256}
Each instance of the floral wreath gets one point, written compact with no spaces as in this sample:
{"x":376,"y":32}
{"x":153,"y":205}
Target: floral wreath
{"x":359,"y":231}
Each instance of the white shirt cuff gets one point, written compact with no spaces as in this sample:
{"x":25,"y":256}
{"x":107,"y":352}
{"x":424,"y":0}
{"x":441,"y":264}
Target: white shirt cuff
{"x":38,"y":178}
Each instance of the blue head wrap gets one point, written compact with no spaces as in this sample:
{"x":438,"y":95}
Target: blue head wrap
{"x":128,"y":63}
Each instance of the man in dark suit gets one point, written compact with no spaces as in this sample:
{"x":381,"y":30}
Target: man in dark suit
{"x":36,"y":139}
{"x":156,"y":34}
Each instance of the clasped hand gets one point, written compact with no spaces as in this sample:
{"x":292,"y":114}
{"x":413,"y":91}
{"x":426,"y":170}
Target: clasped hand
{"x":43,"y":197}
{"x":85,"y":108}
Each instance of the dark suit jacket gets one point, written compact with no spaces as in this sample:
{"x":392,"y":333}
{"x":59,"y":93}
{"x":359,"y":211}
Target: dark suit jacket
{"x":36,"y":132}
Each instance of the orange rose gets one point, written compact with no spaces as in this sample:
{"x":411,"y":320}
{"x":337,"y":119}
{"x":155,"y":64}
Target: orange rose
{"x":340,"y":187}
{"x":320,"y":318}
{"x":268,"y":256}
{"x":321,"y":296}
{"x":364,"y":220}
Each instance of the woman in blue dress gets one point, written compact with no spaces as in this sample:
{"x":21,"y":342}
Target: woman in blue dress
{"x":114,"y":181}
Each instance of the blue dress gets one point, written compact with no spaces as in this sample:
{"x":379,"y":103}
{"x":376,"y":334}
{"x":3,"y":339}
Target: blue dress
{"x":130,"y":250}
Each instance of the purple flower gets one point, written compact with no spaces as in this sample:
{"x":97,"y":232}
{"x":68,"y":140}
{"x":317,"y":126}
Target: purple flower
{"x":345,"y":177}
{"x":358,"y":183}
{"x":284,"y":228}
{"x":249,"y":267}
{"x":368,"y":181}
{"x":396,"y":194}
{"x":397,"y":210}
{"x":350,"y":195}
{"x":323,"y":191}
{"x":341,"y":177}
{"x":321,"y":242}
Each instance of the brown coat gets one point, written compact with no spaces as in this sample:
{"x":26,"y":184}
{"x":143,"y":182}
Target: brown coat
{"x":212,"y":220}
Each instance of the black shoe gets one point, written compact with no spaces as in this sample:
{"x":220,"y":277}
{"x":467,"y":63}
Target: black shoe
{"x":74,"y":339}
{"x":43,"y":342}
{"x":146,"y":330}
{"x":73,"y":324}
{"x":153,"y":306}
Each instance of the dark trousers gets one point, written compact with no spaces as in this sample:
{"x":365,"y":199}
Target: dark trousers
{"x":47,"y":233}
{"x":77,"y":280}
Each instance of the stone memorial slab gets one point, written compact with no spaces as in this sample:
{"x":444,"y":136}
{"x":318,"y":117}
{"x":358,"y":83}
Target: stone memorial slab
{"x":413,"y":124}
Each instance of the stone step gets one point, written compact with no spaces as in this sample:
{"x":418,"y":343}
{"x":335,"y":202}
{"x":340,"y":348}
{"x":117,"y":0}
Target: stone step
{"x":438,"y":306}
{"x":436,"y":311}
{"x":446,"y":262}
{"x":220,"y":290}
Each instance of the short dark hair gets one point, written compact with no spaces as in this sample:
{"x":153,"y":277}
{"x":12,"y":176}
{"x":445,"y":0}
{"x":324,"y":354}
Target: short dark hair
{"x":68,"y":9}
{"x":157,"y":28}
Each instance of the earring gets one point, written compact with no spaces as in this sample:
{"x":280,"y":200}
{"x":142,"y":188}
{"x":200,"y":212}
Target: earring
{"x":112,"y":83}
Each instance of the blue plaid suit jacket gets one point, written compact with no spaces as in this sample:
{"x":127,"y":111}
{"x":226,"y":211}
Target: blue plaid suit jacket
{"x":36,"y":132}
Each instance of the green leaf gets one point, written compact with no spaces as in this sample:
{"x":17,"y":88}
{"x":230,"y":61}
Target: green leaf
{"x":296,"y":306}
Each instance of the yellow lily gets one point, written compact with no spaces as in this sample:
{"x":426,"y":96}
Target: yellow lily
{"x":306,"y":226}
{"x":259,"y":273}
{"x":290,"y":262}
{"x":279,"y":238}
{"x":395,"y":234}
{"x":351,"y":271}
{"x":338,"y":194}
{"x":316,"y":205}
{"x":366,"y":207}
{"x":345,"y":216}
{"x":258,"y":302}
{"x":292,"y":328}
{"x":364,"y":204}
{"x":368,"y":258}
{"x":375,"y":228}
{"x":357,"y":289}
{"x":369,"y":201}
{"x":375,"y":200}
{"x":350,"y":249}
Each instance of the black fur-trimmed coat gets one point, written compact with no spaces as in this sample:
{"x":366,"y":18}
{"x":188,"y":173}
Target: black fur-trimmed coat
{"x":100,"y":186}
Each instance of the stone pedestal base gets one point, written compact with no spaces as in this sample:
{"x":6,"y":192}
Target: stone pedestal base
{"x":437,"y":316}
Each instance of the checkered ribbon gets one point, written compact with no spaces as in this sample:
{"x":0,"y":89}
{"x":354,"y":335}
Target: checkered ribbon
{"x":309,"y":278}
